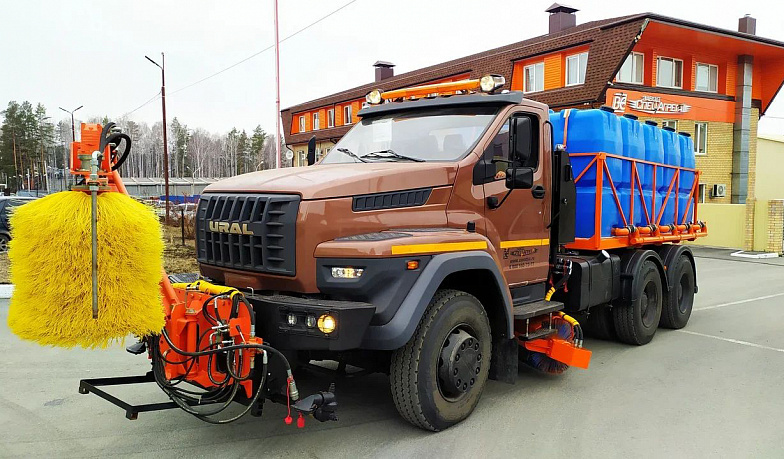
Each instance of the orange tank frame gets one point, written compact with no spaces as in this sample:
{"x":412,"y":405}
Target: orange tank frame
{"x":653,"y":232}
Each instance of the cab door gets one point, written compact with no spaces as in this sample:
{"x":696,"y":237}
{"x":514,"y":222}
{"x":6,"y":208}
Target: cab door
{"x":516,"y":220}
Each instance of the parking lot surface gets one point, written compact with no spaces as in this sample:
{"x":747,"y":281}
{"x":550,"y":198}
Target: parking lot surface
{"x":715,"y":388}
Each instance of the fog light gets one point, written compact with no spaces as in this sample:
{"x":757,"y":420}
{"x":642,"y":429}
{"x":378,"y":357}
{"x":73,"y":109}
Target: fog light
{"x":373,"y":97}
{"x":347,"y":272}
{"x":327,"y":323}
{"x":311,"y":321}
{"x":291,"y":319}
{"x":490,"y":83}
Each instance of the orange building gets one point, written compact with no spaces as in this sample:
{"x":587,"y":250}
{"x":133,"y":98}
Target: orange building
{"x":712,"y":83}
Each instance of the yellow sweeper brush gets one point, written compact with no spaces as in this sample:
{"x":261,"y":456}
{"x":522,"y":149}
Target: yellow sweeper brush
{"x":52,"y":267}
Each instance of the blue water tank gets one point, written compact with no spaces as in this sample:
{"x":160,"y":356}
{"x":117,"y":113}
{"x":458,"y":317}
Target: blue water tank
{"x":687,"y":177}
{"x":672,"y":157}
{"x":654,"y":152}
{"x":633,"y":148}
{"x":592,"y":131}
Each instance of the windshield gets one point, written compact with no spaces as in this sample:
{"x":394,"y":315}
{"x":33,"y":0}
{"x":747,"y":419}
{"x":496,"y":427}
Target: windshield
{"x":421,"y":135}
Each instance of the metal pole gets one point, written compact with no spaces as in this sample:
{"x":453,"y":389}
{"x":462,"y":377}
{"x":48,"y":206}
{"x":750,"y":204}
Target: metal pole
{"x":165,"y":141}
{"x":94,"y":226}
{"x":182,"y":224}
{"x":277,"y":90}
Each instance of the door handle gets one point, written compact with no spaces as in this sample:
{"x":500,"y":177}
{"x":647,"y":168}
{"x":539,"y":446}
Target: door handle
{"x":538,"y":192}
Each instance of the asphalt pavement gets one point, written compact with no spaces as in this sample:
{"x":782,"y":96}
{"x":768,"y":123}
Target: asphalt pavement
{"x":713,"y":389}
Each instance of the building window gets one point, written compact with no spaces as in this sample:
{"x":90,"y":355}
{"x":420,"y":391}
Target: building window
{"x":632,"y":69}
{"x":575,"y":68}
{"x":302,"y":123}
{"x":316,"y":122}
{"x":331,"y":118}
{"x":707,"y":77}
{"x":669,"y":72}
{"x":670,"y":124}
{"x":347,"y":114}
{"x":701,"y":193}
{"x":303,"y":160}
{"x":534,"y":77}
{"x":700,"y":138}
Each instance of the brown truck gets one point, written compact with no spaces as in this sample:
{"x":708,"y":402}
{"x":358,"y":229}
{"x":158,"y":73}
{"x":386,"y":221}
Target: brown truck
{"x":434,"y":243}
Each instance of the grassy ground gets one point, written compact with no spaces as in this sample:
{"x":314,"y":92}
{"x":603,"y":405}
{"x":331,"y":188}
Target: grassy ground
{"x":177,"y":258}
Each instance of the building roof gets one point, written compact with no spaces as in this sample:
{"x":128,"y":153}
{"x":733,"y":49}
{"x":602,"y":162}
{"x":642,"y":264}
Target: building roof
{"x":610,"y":40}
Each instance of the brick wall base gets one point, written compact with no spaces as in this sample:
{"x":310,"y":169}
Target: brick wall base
{"x":775,"y":227}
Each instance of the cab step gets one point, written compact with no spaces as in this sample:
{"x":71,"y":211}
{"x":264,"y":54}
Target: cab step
{"x":536,"y":308}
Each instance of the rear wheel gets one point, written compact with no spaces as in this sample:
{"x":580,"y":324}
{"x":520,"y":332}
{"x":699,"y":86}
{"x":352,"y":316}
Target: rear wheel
{"x":438,"y":376}
{"x":636,"y":322}
{"x":677,"y":308}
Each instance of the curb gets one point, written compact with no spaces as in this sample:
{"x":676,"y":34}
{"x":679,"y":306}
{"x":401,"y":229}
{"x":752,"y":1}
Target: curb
{"x":6,"y":290}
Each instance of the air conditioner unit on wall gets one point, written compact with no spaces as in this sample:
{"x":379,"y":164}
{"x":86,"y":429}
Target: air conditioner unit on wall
{"x":719,"y":190}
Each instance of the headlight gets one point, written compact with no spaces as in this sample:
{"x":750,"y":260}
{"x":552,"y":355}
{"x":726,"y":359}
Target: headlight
{"x":347,"y":272}
{"x":490,"y":83}
{"x":327,"y":324}
{"x":373,"y":97}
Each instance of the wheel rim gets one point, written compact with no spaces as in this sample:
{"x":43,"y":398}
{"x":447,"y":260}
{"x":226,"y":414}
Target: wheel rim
{"x":3,"y":245}
{"x":459,"y":363}
{"x":648,"y":304}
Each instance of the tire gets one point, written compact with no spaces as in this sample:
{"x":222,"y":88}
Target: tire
{"x":677,"y":307}
{"x":420,"y":391}
{"x":600,"y":323}
{"x":636,"y":322}
{"x":4,"y":243}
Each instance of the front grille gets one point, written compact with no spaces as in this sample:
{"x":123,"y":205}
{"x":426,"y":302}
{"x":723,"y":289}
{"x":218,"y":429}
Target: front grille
{"x":249,"y":232}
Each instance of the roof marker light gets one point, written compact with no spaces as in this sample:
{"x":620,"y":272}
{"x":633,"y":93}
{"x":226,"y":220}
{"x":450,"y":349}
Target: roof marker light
{"x":374,"y":97}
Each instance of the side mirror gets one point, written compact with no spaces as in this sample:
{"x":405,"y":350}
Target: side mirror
{"x":522,"y":139}
{"x":520,"y":178}
{"x":312,"y":151}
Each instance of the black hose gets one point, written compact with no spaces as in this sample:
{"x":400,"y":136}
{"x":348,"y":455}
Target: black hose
{"x":127,"y":151}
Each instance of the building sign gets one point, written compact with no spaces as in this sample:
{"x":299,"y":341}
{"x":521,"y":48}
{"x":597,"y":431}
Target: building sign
{"x":670,"y":106}
{"x":647,"y":104}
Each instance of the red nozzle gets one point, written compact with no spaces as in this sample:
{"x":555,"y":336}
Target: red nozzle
{"x":287,"y":420}
{"x":300,"y":421}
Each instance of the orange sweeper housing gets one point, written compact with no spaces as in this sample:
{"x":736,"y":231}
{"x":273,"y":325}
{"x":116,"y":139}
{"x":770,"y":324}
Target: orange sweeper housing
{"x":445,"y":239}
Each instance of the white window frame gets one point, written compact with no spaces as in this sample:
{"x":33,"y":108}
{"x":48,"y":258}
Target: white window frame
{"x":534,"y":68}
{"x":699,"y":139}
{"x":347,"y":114}
{"x":301,"y":123}
{"x":701,"y":193}
{"x":316,"y":123}
{"x":303,"y":159}
{"x":630,"y":59}
{"x":331,"y":118}
{"x":664,"y":124}
{"x":658,"y":69}
{"x":716,"y":81}
{"x":581,"y":71}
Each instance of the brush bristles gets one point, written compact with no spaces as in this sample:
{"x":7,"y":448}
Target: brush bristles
{"x":50,"y":254}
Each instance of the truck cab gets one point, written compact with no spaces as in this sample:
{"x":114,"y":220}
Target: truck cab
{"x":428,"y":244}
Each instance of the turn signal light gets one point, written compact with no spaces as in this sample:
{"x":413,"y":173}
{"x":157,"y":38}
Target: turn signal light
{"x":412,"y":265}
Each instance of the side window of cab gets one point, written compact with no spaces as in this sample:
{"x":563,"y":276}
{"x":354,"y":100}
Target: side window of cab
{"x":499,"y":150}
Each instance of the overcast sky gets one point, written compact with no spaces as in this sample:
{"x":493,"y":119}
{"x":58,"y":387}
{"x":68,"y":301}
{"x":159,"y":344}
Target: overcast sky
{"x":91,"y":53}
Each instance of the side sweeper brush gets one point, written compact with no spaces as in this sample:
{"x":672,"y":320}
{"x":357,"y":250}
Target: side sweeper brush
{"x":52,"y":267}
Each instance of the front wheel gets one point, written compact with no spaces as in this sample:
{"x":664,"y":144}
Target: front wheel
{"x":439,"y":375}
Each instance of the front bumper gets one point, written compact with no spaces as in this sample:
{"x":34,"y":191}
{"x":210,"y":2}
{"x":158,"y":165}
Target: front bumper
{"x":272,"y":311}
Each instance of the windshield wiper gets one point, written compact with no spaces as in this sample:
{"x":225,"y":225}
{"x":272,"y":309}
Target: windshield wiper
{"x":389,"y":154}
{"x":352,"y":154}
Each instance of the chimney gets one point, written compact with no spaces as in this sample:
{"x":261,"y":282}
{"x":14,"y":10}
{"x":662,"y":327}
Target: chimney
{"x":562,"y":17}
{"x":384,"y":70}
{"x":747,"y":24}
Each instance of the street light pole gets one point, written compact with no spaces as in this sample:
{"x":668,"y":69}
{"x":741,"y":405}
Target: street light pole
{"x":165,"y":141}
{"x":277,"y":90}
{"x":73,"y":139}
